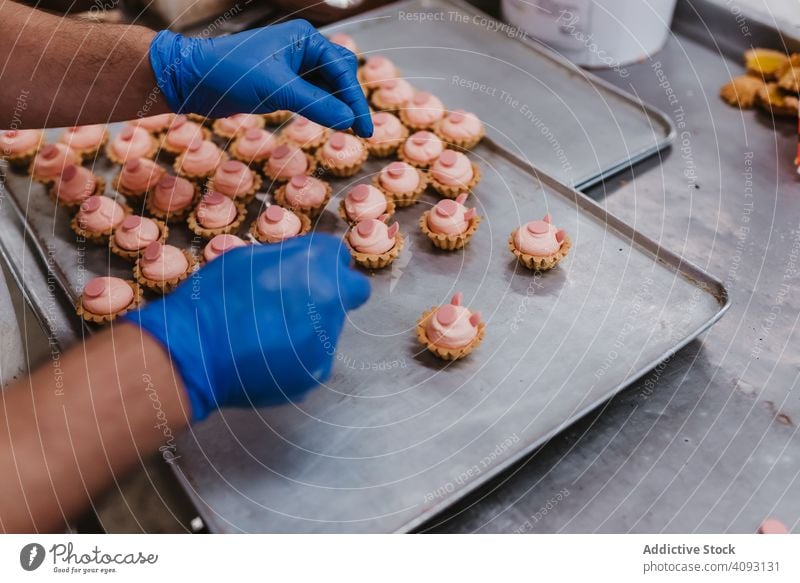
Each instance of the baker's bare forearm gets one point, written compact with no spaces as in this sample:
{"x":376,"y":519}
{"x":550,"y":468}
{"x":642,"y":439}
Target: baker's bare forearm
{"x":62,"y":71}
{"x":66,"y":431}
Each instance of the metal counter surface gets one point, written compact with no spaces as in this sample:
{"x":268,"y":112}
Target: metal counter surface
{"x":708,"y":441}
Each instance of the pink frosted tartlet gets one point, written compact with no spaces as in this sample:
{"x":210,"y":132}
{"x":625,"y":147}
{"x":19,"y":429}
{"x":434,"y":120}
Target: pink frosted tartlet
{"x":453,"y":173}
{"x":235,"y":180}
{"x":539,"y":245}
{"x":342,"y":154}
{"x":422,"y":112}
{"x":18,"y":147}
{"x":376,"y":70}
{"x":304,"y":194}
{"x":155,"y":124}
{"x":277,"y":224}
{"x":461,"y":129}
{"x":97,"y":217}
{"x":75,"y":185}
{"x":449,"y":224}
{"x":392,"y":95}
{"x":161,"y":268}
{"x":364,"y":201}
{"x":221,"y":244}
{"x":106,"y":298}
{"x":346,"y":41}
{"x":182,"y":132}
{"x":373,"y":244}
{"x":421,"y":149}
{"x":130,"y":143}
{"x":253,"y":146}
{"x":200,"y":160}
{"x":172,"y":199}
{"x":216,"y":214}
{"x":229,"y":127}
{"x":288,"y":160}
{"x":51,"y":161}
{"x":305,"y":133}
{"x":138,"y":177}
{"x":450,"y":331}
{"x":85,"y":140}
{"x":401,"y":182}
{"x":278,"y":117}
{"x":387,"y":136}
{"x":134,"y":234}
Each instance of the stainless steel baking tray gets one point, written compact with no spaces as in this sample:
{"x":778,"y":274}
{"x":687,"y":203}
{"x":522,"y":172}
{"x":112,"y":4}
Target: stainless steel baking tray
{"x":580,"y":128}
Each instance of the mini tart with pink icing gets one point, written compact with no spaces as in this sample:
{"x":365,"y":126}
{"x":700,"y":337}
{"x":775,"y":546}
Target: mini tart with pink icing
{"x":138,"y":177}
{"x":304,"y":194}
{"x":200,"y":160}
{"x":161,"y":268}
{"x":76,"y":184}
{"x":387,"y":136}
{"x":450,"y":331}
{"x":85,"y":140}
{"x":421,"y":149}
{"x":422,"y":112}
{"x":277,"y":224}
{"x":155,"y":124}
{"x":254,"y":146}
{"x":229,"y":127}
{"x":288,"y":160}
{"x":365,"y":201}
{"x":216,"y":214}
{"x":18,"y":147}
{"x":130,"y":238}
{"x":219,"y":245}
{"x":346,"y":41}
{"x":105,"y":298}
{"x":97,"y":218}
{"x":130,"y":143}
{"x":374,"y":244}
{"x":236,"y":180}
{"x":449,"y":224}
{"x":182,"y":132}
{"x":51,"y":161}
{"x":538,"y":245}
{"x":172,"y":199}
{"x":342,"y":154}
{"x":453,"y":173}
{"x":276,"y":118}
{"x":375,"y":71}
{"x":305,"y":133}
{"x":461,"y":129}
{"x":392,"y":95}
{"x":401,"y":182}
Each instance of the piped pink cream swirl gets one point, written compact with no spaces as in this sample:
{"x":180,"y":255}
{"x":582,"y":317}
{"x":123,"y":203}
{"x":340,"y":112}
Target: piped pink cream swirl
{"x":183,"y":132}
{"x":305,"y":192}
{"x":239,"y":123}
{"x":423,"y":147}
{"x":395,"y":92}
{"x":99,"y":213}
{"x":221,"y":244}
{"x":303,"y":131}
{"x":161,"y":262}
{"x":140,"y":175}
{"x":386,"y":128}
{"x":15,"y":142}
{"x":539,"y":238}
{"x":154,"y":123}
{"x":132,"y":142}
{"x":399,"y":178}
{"x":364,"y":201}
{"x":75,"y":184}
{"x":460,"y":124}
{"x":216,"y":210}
{"x":344,"y":40}
{"x":373,"y":236}
{"x":277,"y":223}
{"x":106,"y":295}
{"x":136,"y":233}
{"x":424,"y":109}
{"x":201,"y":158}
{"x":450,"y":217}
{"x":173,"y":194}
{"x":82,"y":138}
{"x":378,"y":69}
{"x":342,"y":150}
{"x":255,"y":145}
{"x":452,"y":325}
{"x":287,"y":161}
{"x":233,"y":178}
{"x":452,"y":169}
{"x":51,"y":161}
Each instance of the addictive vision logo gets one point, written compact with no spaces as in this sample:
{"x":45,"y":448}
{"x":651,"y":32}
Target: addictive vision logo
{"x":31,"y":556}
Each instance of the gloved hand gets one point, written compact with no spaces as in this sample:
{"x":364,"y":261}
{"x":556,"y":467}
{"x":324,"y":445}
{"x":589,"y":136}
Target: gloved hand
{"x":258,"y":325}
{"x":285,"y":66}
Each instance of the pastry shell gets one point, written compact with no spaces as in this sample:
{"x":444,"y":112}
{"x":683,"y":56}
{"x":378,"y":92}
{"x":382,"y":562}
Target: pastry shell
{"x":441,"y":351}
{"x":406,"y":198}
{"x":458,"y":143}
{"x":172,"y":216}
{"x":97,"y":238}
{"x":175,"y":151}
{"x":537,"y":263}
{"x":208,"y":233}
{"x":387,"y":148}
{"x":217,"y":128}
{"x":151,"y":153}
{"x":245,"y":197}
{"x":305,"y":227}
{"x":416,"y":126}
{"x":373,"y":261}
{"x":163,"y":287}
{"x":449,"y":242}
{"x":179,"y":170}
{"x":452,"y":191}
{"x":277,"y":117}
{"x":134,"y":255}
{"x":343,"y":171}
{"x":311,"y":166}
{"x":104,"y":318}
{"x":390,"y":209}
{"x":99,"y":189}
{"x":312,"y":212}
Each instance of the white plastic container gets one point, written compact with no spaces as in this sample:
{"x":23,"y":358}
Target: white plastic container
{"x":595,"y":33}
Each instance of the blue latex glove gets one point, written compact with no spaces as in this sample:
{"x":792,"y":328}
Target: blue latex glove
{"x":258,"y":325}
{"x":285,"y":66}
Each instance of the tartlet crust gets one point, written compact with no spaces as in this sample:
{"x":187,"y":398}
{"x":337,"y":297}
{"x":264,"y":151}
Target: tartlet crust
{"x":312,"y":212}
{"x":440,"y":351}
{"x":305,"y":227}
{"x":536,"y":263}
{"x":452,"y":191}
{"x":164,"y":287}
{"x":208,"y":233}
{"x":134,"y":255}
{"x":449,"y":242}
{"x":379,"y":261}
{"x":403,"y":199}
{"x":105,"y":318}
